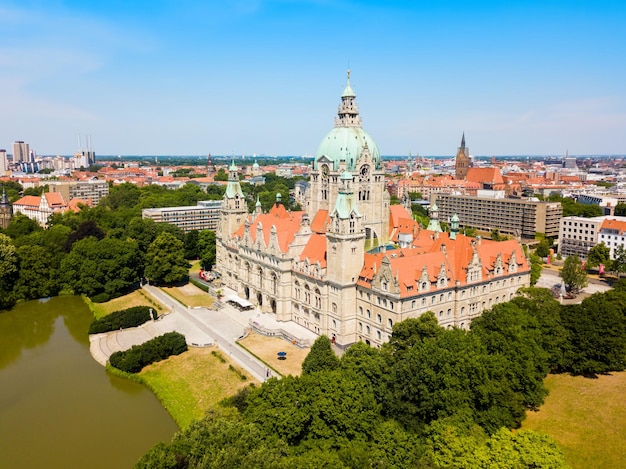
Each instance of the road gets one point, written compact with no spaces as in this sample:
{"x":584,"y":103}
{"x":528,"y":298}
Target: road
{"x":200,"y":326}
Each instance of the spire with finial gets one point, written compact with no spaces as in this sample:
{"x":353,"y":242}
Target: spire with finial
{"x":348,"y":114}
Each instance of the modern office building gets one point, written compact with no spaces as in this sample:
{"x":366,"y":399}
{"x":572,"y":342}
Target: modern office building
{"x":489,"y":210}
{"x":204,"y":216}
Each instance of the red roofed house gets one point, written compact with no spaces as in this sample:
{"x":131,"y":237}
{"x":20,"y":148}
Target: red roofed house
{"x":350,"y":265}
{"x":40,"y":208}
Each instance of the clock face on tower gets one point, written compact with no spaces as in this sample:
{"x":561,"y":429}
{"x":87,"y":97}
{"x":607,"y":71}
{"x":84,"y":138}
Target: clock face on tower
{"x":325,"y":171}
{"x":365,"y":170}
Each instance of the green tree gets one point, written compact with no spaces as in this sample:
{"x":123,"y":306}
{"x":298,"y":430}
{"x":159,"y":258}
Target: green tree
{"x":36,"y":278}
{"x":597,"y":332}
{"x":165,"y":260}
{"x":573,"y":274}
{"x":325,"y":409}
{"x":8,"y":270}
{"x":536,"y":266}
{"x":543,"y":248}
{"x":207,"y":248}
{"x":321,"y":357}
{"x":451,"y":374}
{"x":510,"y":331}
{"x":619,"y":260}
{"x":21,"y":225}
{"x":84,"y":230}
{"x":412,"y":331}
{"x":105,"y":267}
{"x":191,"y":245}
{"x":468,"y":447}
{"x":599,"y":254}
{"x":221,"y":175}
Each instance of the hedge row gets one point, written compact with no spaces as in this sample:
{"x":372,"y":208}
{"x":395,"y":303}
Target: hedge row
{"x":159,"y":348}
{"x":131,"y":317}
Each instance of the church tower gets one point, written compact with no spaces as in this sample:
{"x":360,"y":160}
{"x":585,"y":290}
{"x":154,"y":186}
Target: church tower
{"x":6,"y":210}
{"x":462,"y":160}
{"x":348,"y":147}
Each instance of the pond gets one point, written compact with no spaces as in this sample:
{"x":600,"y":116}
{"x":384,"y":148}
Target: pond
{"x":58,"y":407}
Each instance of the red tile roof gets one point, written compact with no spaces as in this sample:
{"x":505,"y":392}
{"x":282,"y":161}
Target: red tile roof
{"x":286,"y":223}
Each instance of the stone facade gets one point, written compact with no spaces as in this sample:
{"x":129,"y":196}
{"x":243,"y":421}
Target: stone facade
{"x":312,"y":266}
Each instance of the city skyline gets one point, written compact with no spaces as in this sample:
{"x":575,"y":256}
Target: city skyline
{"x":263,"y":77}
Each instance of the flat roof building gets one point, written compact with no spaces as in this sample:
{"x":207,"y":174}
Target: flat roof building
{"x":204,"y":216}
{"x":489,"y":210}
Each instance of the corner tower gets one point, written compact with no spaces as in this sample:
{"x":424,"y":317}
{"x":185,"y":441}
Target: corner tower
{"x":347,"y":147}
{"x":234,"y":207}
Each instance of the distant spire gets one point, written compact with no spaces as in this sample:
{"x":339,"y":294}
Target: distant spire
{"x":5,"y":201}
{"x":463,"y":141}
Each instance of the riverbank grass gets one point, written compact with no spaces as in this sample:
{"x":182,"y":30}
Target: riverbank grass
{"x":587,"y":417}
{"x":194,"y":382}
{"x":135,"y":298}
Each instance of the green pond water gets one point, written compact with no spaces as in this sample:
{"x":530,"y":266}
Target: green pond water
{"x":58,"y":407}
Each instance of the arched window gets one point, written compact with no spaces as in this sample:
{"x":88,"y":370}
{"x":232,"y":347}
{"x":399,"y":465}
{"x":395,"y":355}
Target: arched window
{"x":390,"y":322}
{"x":379,"y":318}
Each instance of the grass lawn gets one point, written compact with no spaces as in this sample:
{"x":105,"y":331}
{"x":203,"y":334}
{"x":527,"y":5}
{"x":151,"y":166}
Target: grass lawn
{"x":194,"y":382}
{"x":195,"y":267}
{"x":135,"y":298}
{"x":587,"y":417}
{"x":190,"y":295}
{"x":266,"y":349}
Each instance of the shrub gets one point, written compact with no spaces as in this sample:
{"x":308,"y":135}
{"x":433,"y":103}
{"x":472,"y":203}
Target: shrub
{"x":157,"y":349}
{"x":101,"y":298}
{"x":130,"y":317}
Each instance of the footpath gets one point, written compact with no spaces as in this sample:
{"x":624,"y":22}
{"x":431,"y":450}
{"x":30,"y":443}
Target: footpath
{"x":202,"y":327}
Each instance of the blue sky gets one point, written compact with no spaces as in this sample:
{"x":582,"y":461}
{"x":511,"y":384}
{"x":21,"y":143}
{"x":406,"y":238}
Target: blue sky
{"x":265,"y":76}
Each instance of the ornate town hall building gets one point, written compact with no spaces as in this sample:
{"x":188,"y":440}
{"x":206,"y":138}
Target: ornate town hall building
{"x":312,"y":266}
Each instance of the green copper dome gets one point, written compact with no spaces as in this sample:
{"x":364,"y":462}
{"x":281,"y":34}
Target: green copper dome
{"x":347,"y":143}
{"x":348,"y":139}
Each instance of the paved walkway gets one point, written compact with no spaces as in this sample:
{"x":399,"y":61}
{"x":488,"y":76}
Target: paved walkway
{"x":201,"y":327}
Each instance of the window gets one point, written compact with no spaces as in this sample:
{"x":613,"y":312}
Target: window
{"x":369,"y":313}
{"x":379,"y":318}
{"x":390,"y":322}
